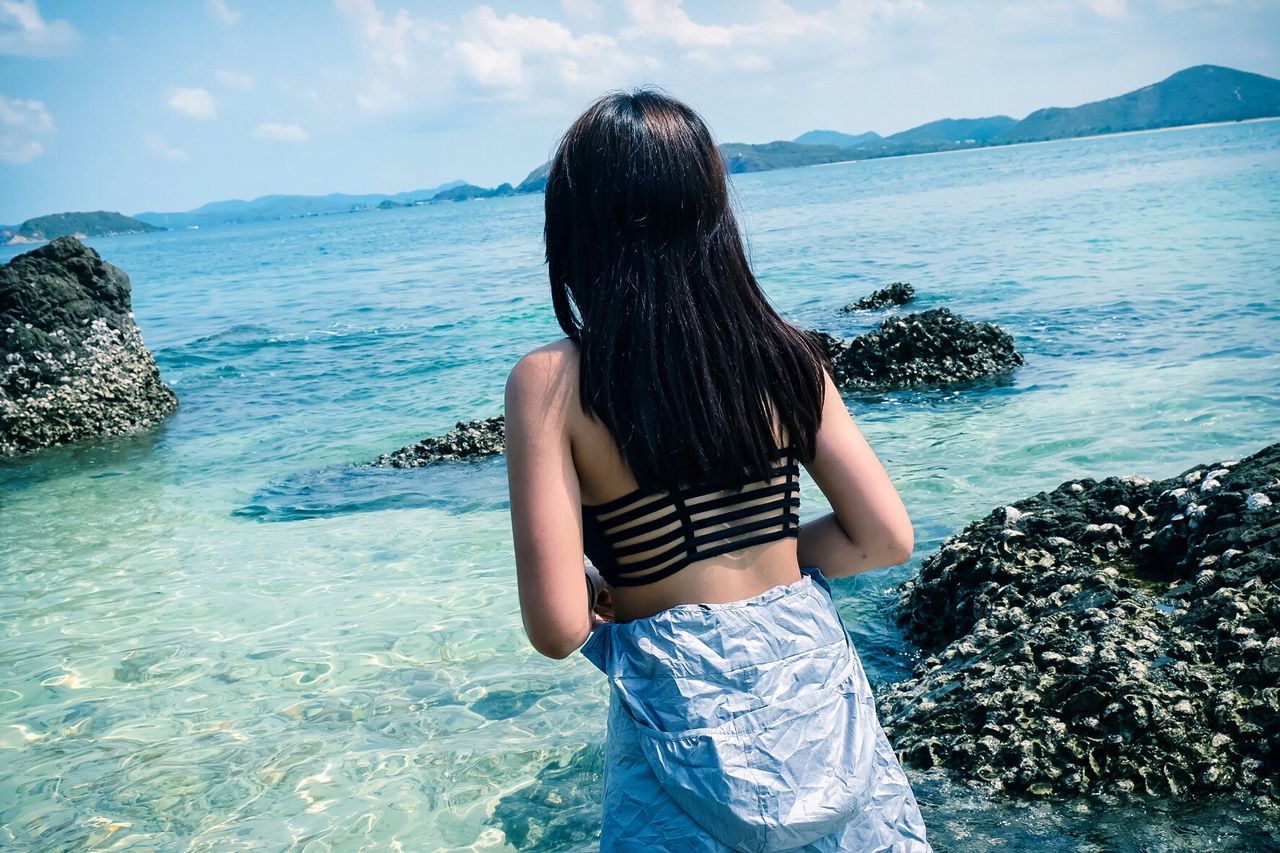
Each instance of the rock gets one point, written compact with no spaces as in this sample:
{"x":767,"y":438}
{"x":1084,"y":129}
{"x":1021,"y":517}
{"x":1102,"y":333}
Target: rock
{"x":1122,"y":666}
{"x":467,"y":440}
{"x":898,"y":293}
{"x":933,"y":347}
{"x":75,"y":365}
{"x":830,"y":344}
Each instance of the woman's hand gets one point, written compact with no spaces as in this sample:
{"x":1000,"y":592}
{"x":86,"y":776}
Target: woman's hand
{"x":603,"y":611}
{"x":601,"y":601}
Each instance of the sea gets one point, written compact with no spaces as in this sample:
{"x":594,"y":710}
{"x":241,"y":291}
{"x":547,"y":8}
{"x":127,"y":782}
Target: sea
{"x":230,"y":632}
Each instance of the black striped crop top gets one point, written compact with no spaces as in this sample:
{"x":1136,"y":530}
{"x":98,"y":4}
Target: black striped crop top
{"x":643,"y":537}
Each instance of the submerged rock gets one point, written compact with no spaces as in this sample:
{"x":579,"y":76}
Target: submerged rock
{"x":1110,"y":637}
{"x":898,"y":293}
{"x":75,"y":366}
{"x":467,"y":440}
{"x":558,"y":810}
{"x":932,"y":347}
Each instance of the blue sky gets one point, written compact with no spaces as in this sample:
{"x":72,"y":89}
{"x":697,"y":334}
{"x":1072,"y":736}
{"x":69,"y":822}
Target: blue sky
{"x":162,"y":105}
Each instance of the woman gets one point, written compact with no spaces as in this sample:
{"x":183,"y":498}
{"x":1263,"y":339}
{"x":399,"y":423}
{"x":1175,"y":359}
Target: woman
{"x":662,"y":438}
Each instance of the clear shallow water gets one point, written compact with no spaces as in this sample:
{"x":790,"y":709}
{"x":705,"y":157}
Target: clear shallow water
{"x":221,"y":634}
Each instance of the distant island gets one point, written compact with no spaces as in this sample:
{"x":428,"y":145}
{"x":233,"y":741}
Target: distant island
{"x":97,"y":223}
{"x":1202,"y":94}
{"x":1199,"y":95}
{"x":271,"y":207}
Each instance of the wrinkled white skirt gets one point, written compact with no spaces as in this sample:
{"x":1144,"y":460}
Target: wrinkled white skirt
{"x":748,"y":726}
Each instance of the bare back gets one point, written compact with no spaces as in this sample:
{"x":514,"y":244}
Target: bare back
{"x":560,"y":460}
{"x":603,"y":476}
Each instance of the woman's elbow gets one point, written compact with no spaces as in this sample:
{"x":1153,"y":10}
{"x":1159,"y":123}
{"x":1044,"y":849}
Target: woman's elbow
{"x":555,"y":644}
{"x":902,"y":546}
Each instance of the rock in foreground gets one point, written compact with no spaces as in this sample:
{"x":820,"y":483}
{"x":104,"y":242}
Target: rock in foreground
{"x":75,"y":366}
{"x":898,"y":293}
{"x":932,"y":347}
{"x":1112,"y":637}
{"x":467,"y":440}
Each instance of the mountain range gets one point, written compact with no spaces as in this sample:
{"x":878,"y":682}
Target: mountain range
{"x":269,"y":207}
{"x":1197,"y":95}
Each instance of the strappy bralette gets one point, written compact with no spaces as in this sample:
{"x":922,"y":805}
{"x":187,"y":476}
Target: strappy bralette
{"x":645,"y":536}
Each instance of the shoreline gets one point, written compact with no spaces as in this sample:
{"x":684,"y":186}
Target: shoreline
{"x":1034,"y":142}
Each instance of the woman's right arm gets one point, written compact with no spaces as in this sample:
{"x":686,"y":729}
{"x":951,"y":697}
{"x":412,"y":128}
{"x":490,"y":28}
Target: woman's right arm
{"x":869,"y":527}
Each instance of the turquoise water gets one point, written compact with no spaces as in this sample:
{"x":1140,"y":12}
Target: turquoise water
{"x":222,"y":634}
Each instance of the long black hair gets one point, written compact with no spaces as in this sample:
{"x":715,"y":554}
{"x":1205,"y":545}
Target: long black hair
{"x":682,"y":357}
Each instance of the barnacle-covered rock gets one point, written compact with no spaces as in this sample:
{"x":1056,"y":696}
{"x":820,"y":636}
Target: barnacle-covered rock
{"x":1128,"y":642}
{"x":467,"y":440}
{"x":898,"y":293}
{"x":74,"y":363}
{"x":933,"y":347}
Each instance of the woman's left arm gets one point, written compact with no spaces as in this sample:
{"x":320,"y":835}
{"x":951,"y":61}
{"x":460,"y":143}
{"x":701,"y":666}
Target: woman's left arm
{"x":546,"y":511}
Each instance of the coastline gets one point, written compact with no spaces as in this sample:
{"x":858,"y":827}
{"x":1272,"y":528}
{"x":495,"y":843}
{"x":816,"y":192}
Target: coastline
{"x":1037,"y":142}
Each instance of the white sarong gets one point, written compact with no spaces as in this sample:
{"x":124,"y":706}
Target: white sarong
{"x":750,"y":726}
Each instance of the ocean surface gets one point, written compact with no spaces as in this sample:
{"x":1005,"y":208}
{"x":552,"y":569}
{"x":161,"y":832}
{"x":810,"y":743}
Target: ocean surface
{"x":228,"y":634}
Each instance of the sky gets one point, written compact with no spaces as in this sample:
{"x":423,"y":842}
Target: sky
{"x":160,"y":105}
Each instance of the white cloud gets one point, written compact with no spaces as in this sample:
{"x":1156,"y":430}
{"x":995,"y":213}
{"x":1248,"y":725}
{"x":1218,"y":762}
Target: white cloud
{"x":516,"y":56}
{"x":776,"y":28}
{"x":22,"y":124}
{"x":404,"y":52}
{"x":235,"y":80}
{"x":667,"y":19}
{"x":391,"y":44}
{"x":280,"y":132}
{"x":24,"y":32}
{"x":224,"y":13}
{"x":548,"y":66}
{"x":197,"y":103}
{"x":511,"y":57}
{"x":160,"y":146}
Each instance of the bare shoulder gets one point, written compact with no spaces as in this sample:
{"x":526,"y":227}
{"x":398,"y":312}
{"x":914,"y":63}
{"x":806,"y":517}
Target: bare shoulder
{"x":550,"y":370}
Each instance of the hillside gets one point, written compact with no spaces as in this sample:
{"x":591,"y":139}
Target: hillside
{"x":535,"y":181}
{"x":1204,"y":93}
{"x":270,"y":207}
{"x":467,"y":192}
{"x":97,"y":223}
{"x":953,"y":130}
{"x":836,"y":138}
{"x":742,"y":157}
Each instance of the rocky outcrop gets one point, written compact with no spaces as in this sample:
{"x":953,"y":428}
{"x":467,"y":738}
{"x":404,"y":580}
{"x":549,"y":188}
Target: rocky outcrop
{"x":933,"y":347}
{"x":898,"y":293}
{"x":75,"y":366}
{"x":467,"y":440}
{"x":1111,"y":637}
